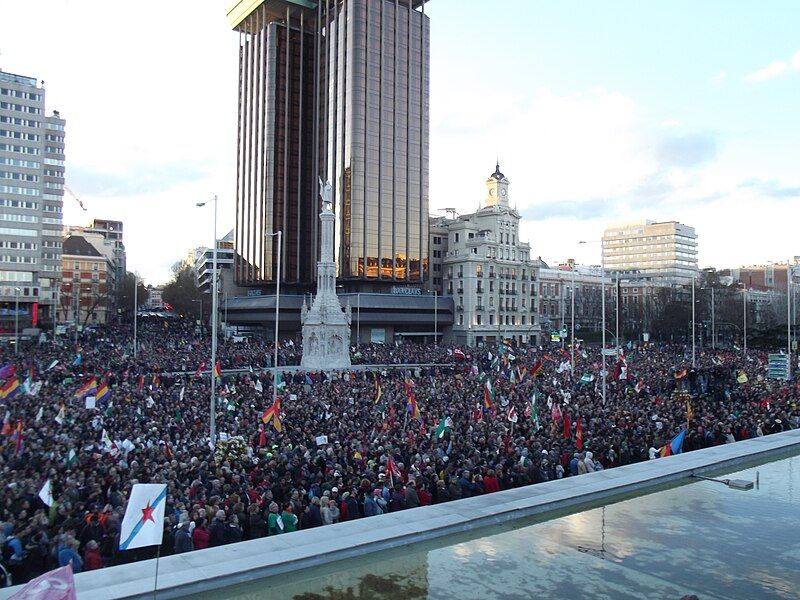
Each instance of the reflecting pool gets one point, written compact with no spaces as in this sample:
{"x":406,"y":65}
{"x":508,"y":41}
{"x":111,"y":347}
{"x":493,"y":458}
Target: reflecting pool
{"x":703,"y":538}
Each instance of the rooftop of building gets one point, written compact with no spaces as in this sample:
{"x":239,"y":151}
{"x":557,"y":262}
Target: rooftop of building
{"x":76,"y":245}
{"x":20,"y":79}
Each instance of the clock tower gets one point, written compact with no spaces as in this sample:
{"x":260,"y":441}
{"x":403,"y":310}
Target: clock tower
{"x":497,"y":188}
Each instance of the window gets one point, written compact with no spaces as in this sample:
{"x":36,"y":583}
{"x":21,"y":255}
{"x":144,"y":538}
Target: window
{"x":491,"y":319}
{"x":479,"y":319}
{"x":19,"y":218}
{"x":523,"y":319}
{"x":22,"y":232}
{"x":460,"y":319}
{"x":474,"y":250}
{"x":22,"y":191}
{"x":455,"y":238}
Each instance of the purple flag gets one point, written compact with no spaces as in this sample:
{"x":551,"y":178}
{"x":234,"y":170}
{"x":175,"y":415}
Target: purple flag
{"x":54,"y":585}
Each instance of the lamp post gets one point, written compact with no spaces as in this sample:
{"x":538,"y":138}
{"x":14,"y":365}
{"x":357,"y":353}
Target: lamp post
{"x":277,"y":312}
{"x":694,"y":337}
{"x":744,"y":318}
{"x":602,"y":312}
{"x":789,"y":318}
{"x":572,"y":326}
{"x":713,"y":322}
{"x":200,"y":318}
{"x":213,"y":420}
{"x":16,"y":320}
{"x":135,"y":314}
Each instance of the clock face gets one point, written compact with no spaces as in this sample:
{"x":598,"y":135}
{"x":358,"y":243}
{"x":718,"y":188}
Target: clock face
{"x":503,"y":192}
{"x":491,"y":191}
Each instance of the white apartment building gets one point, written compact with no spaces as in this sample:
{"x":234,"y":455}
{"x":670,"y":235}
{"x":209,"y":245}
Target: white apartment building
{"x":31,"y":200}
{"x":647,"y":250}
{"x":480,"y":261}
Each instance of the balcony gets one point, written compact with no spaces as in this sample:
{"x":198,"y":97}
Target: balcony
{"x":479,"y":290}
{"x":460,"y":291}
{"x":480,"y":307}
{"x":479,"y":274}
{"x":491,"y":274}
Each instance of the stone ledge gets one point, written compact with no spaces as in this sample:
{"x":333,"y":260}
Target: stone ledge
{"x":185,"y":574}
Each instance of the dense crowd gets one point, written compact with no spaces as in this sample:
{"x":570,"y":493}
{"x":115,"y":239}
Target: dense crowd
{"x":351,"y":445}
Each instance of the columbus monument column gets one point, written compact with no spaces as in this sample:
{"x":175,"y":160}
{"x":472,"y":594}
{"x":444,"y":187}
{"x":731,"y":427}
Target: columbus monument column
{"x":326,"y":327}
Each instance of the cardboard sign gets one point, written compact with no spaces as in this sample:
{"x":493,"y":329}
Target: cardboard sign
{"x":322,"y":440}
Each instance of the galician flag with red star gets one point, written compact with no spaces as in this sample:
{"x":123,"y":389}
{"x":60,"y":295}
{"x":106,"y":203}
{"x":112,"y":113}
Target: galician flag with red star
{"x":143,"y":523}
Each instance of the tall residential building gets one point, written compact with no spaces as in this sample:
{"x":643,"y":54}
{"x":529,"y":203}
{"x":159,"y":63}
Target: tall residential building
{"x":338,"y":90}
{"x":105,"y":234}
{"x":31,"y":200}
{"x":488,"y":271}
{"x":87,"y":284}
{"x":651,"y":251}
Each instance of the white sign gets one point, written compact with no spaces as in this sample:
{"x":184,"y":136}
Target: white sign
{"x":90,"y":402}
{"x":322,"y":440}
{"x":610,"y":351}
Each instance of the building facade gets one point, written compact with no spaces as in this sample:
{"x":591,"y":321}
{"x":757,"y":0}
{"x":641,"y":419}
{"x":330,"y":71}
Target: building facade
{"x":86,"y":286}
{"x":336,"y":90}
{"x":203,"y":263}
{"x":647,"y":250}
{"x":487,"y":270}
{"x":31,"y":201}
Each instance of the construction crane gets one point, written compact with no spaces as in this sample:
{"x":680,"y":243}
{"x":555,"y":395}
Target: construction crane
{"x":78,"y":200}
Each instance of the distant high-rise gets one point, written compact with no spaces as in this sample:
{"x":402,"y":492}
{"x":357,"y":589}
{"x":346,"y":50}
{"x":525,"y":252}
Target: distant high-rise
{"x":651,"y":251}
{"x":31,"y":200}
{"x":336,"y":89}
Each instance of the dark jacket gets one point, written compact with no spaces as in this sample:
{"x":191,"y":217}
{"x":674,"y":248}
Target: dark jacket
{"x":183,"y":540}
{"x":258,"y":526}
{"x":217,"y":531}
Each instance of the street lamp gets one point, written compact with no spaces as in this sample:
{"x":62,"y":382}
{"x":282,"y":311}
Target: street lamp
{"x":694,"y":337}
{"x":213,"y":420}
{"x":279,"y":235}
{"x":602,"y":311}
{"x":135,"y":314}
{"x":16,"y":321}
{"x":744,"y":318}
{"x":200,"y":318}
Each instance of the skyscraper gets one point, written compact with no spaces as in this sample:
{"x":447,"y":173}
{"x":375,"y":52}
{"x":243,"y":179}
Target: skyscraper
{"x":31,"y":200}
{"x":336,"y":89}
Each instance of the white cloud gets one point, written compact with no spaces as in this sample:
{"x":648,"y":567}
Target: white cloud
{"x":719,"y":77}
{"x":775,"y":69}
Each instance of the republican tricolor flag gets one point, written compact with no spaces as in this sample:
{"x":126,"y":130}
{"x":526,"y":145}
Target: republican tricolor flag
{"x":87,"y":388}
{"x":103,"y":393}
{"x":10,"y":388}
{"x":412,"y":407}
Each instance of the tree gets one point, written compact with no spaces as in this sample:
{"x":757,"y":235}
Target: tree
{"x":182,"y":291}
{"x":125,"y":294}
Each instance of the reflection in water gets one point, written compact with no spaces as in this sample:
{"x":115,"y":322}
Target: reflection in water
{"x":703,"y":539}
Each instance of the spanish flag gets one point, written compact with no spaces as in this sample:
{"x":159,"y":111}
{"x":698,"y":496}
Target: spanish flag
{"x":680,"y":374}
{"x":273,"y":414}
{"x":218,"y":369}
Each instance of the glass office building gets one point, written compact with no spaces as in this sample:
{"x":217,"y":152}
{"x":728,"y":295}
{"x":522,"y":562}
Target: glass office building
{"x":337,"y":90}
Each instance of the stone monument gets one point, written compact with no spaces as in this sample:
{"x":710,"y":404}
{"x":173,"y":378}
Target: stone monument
{"x":326,"y":327}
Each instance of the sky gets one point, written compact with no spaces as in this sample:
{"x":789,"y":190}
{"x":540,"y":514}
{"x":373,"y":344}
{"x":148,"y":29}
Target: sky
{"x":598,"y":112}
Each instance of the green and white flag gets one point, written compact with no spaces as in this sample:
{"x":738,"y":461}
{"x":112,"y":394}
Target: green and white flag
{"x":587,"y":378}
{"x":445,"y":425}
{"x":71,"y":458}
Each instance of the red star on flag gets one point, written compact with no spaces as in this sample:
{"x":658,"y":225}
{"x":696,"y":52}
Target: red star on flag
{"x":147,"y":513}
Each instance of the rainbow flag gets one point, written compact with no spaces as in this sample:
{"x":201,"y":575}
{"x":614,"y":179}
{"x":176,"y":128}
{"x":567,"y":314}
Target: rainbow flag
{"x":10,"y":388}
{"x":87,"y":388}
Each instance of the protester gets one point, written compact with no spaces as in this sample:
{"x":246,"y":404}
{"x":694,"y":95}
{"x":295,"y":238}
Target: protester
{"x":487,"y":422}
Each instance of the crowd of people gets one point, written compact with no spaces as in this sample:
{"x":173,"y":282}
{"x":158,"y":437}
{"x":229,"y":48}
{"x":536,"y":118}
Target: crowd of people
{"x":343,"y":445}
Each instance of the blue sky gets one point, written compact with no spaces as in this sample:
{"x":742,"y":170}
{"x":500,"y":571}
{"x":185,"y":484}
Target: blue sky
{"x":598,"y":112}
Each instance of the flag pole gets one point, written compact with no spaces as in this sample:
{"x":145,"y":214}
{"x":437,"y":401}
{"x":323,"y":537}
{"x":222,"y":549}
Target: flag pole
{"x":155,"y":584}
